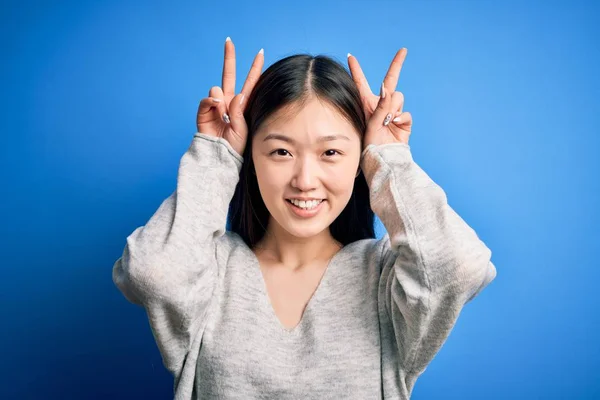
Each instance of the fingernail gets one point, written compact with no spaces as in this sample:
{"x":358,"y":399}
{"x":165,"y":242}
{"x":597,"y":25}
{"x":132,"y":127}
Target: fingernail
{"x":382,"y":91}
{"x":216,"y":100}
{"x":387,"y":119}
{"x":262,"y":51}
{"x":226,"y":118}
{"x":397,"y":119}
{"x":242,"y":98}
{"x":228,"y":39}
{"x":348,"y":55}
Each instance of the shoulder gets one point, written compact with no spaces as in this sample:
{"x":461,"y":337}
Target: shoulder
{"x":372,"y":252}
{"x":231,"y":248}
{"x":370,"y":247}
{"x":230,"y":242}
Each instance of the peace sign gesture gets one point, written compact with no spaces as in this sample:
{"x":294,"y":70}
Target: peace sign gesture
{"x":222,"y":113}
{"x":385,"y":108}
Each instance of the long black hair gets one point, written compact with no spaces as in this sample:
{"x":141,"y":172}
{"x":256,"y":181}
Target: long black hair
{"x":289,"y":83}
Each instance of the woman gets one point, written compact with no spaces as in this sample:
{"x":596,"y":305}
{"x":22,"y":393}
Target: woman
{"x":298,"y":299}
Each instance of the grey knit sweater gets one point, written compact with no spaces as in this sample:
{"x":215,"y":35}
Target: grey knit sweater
{"x":380,"y":314}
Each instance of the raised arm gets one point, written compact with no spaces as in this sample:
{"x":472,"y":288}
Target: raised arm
{"x":170,"y":265}
{"x":433,"y":263}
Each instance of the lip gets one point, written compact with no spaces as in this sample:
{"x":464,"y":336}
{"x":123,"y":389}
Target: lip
{"x":305,"y":213}
{"x":305,"y":198}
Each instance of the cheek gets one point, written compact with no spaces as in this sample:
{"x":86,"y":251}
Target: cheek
{"x":268,"y":178}
{"x":341,"y":180}
{"x":271,"y":185}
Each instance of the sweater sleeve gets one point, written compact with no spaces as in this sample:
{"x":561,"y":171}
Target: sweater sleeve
{"x":433,"y":263}
{"x":169,"y":265}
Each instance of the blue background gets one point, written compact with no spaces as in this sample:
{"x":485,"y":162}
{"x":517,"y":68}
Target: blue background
{"x":99,"y":102}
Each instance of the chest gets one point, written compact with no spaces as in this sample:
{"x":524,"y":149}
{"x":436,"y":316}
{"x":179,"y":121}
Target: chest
{"x":247,"y":345}
{"x":290,"y":292}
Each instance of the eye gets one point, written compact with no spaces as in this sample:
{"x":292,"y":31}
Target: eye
{"x":279,"y":152}
{"x":332,"y":150}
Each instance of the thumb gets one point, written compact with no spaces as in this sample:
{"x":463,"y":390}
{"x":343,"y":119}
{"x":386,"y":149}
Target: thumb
{"x":383,"y":106}
{"x":236,"y":114}
{"x":238,"y":123}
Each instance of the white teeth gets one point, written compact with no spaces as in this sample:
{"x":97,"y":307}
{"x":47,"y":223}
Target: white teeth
{"x":307,"y":205}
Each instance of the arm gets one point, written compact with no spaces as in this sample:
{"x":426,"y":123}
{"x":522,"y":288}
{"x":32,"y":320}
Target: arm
{"x":169,"y":266}
{"x":433,"y":263}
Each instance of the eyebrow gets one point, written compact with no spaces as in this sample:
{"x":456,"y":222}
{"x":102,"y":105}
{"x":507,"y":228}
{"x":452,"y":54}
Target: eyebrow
{"x":326,"y":138}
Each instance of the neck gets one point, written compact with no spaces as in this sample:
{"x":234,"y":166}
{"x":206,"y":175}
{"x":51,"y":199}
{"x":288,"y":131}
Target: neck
{"x":283,"y":248}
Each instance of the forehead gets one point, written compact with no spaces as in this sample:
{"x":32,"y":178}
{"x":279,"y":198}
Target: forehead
{"x":313,"y":118}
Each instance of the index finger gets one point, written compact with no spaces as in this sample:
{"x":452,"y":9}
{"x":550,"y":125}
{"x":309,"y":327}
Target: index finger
{"x":254,"y":74}
{"x":229,"y":69}
{"x":391,"y":77}
{"x":358,"y":76}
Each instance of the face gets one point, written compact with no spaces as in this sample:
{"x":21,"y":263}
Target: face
{"x":310,"y":153}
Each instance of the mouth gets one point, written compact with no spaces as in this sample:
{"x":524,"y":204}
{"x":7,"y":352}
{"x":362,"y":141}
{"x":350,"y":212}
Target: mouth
{"x":306,"y":208}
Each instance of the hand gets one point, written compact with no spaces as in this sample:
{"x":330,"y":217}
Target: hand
{"x":222,"y":113}
{"x":386,"y":123}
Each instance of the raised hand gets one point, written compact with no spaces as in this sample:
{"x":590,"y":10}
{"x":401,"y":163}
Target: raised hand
{"x":221,"y":114}
{"x":385,"y":108}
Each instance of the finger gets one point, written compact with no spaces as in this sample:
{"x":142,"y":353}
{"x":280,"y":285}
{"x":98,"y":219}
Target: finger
{"x":397,"y":102}
{"x":254,"y":74}
{"x":209,"y":110}
{"x":393,"y":73}
{"x":207,"y":104}
{"x":217,"y":93}
{"x":359,"y":77}
{"x":228,"y":81}
{"x":404,"y":118}
{"x":383,"y":107}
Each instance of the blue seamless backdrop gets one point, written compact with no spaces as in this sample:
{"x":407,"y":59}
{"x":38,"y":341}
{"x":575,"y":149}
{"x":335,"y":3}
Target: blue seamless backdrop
{"x":98,"y":106}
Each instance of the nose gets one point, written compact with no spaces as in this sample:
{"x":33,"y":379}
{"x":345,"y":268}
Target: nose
{"x":305,"y":175}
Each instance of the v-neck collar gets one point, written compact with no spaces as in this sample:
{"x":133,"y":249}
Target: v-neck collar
{"x":312,"y":302}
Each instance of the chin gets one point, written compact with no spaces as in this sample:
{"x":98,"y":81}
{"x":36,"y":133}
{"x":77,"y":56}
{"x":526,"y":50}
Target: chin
{"x":299,"y":232}
{"x":305,"y":227}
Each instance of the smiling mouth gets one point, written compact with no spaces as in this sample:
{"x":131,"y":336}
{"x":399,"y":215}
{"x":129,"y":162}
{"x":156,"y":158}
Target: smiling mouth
{"x":311,"y":204}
